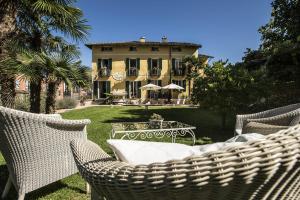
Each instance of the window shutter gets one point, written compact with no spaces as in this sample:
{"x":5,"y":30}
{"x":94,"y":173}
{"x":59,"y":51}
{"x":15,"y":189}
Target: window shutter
{"x":110,"y":64}
{"x":99,"y":64}
{"x":149,"y":64}
{"x":159,"y":83}
{"x":184,"y":84}
{"x":127,"y":88}
{"x":108,"y":87}
{"x":139,"y":84}
{"x":173,"y":64}
{"x":127,"y":63}
{"x":95,"y":89}
{"x":138,"y":63}
{"x":160,"y":63}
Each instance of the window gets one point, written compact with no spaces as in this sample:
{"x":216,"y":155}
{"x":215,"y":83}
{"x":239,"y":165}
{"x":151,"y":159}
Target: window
{"x":154,"y":94}
{"x":132,"y":66}
{"x":177,"y":67}
{"x":181,"y":83}
{"x":133,"y":89}
{"x":155,"y":49}
{"x":106,"y":49}
{"x":104,"y":67}
{"x":17,"y":84}
{"x":176,"y":49}
{"x":101,"y":89}
{"x":154,"y":66}
{"x":132,"y":49}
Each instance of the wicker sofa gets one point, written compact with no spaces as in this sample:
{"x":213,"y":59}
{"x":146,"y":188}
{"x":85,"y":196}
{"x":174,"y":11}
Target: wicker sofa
{"x":36,"y":148}
{"x":261,"y":169}
{"x":276,"y":117}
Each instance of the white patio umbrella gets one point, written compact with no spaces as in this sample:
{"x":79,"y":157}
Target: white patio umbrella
{"x":173,"y":86}
{"x":150,"y":86}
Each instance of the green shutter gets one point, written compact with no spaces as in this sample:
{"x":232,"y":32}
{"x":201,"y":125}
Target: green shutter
{"x":139,"y":85}
{"x":160,"y":63}
{"x":184,"y":84}
{"x":159,"y":83}
{"x":173,"y":64}
{"x":149,"y":64}
{"x":108,"y":87}
{"x":95,"y":89}
{"x":127,"y":63}
{"x":138,"y":63}
{"x":110,"y":64}
{"x":127,"y":88}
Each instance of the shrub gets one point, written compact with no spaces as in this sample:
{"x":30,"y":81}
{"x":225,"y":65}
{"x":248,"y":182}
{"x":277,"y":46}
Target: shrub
{"x":66,"y":103}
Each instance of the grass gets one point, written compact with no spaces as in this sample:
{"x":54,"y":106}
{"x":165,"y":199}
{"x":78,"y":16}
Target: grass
{"x":73,"y":187}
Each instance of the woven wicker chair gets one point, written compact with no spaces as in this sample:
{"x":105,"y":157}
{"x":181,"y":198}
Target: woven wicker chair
{"x":240,"y":119}
{"x":36,"y":148}
{"x":261,"y":169}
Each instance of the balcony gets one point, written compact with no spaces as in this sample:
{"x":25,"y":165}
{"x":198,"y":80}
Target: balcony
{"x":104,"y":72}
{"x":155,"y":72}
{"x":132,"y":71}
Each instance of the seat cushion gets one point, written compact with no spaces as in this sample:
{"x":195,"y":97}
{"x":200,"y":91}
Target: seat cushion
{"x":262,"y":128}
{"x":246,"y":137}
{"x":144,"y":152}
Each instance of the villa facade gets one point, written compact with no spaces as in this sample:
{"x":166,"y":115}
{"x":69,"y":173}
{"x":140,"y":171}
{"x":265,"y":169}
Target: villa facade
{"x":124,"y":67}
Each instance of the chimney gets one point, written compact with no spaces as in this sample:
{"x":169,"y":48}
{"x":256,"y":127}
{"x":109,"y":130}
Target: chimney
{"x":142,"y":39}
{"x":164,"y":39}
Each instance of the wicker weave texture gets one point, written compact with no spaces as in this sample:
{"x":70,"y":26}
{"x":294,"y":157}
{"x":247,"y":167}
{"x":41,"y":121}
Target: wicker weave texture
{"x":36,"y":147}
{"x":268,"y":114}
{"x":262,"y":169}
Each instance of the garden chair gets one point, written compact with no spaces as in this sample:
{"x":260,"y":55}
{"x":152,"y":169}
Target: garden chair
{"x":266,"y":168}
{"x":36,"y":148}
{"x":274,"y":116}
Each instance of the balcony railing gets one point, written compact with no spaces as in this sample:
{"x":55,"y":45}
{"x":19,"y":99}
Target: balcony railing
{"x":132,"y":72}
{"x":179,"y":72}
{"x":155,"y":72}
{"x":104,"y":72}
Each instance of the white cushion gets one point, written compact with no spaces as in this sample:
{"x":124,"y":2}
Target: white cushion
{"x":246,"y":137}
{"x":206,"y":148}
{"x":143,"y":152}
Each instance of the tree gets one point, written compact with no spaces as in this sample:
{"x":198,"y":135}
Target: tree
{"x":227,"y":88}
{"x":283,"y":26}
{"x":36,"y":21}
{"x":192,"y":66}
{"x":7,"y":30}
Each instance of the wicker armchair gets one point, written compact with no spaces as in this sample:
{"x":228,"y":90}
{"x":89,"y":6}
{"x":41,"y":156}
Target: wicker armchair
{"x":240,"y":119}
{"x":36,"y":148}
{"x":261,"y":169}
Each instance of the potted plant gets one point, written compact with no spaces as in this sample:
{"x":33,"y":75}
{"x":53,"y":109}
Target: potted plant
{"x":156,"y":120}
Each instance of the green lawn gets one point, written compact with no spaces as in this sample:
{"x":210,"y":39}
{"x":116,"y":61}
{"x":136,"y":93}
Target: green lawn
{"x":207,"y":123}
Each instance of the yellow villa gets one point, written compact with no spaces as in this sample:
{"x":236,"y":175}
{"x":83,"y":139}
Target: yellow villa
{"x":122,"y":68}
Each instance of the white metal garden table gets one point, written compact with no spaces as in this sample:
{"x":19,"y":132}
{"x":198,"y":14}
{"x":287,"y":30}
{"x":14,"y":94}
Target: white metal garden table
{"x":148,"y":130}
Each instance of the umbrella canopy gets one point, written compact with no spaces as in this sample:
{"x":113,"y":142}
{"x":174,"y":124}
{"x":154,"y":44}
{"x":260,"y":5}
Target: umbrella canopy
{"x":173,"y":86}
{"x":150,"y":86}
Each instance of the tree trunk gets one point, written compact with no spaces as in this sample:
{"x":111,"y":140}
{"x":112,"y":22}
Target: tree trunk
{"x":7,"y":30}
{"x":35,"y":96}
{"x":51,"y":97}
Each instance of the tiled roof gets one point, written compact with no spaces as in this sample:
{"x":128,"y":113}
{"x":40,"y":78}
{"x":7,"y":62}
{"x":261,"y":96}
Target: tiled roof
{"x":147,"y":43}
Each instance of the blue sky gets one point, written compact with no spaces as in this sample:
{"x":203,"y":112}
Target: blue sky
{"x":224,"y":28}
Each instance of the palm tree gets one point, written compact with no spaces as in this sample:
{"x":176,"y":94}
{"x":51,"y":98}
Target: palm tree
{"x":36,"y":21}
{"x":192,"y":65}
{"x":7,"y":29}
{"x":62,"y":66}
